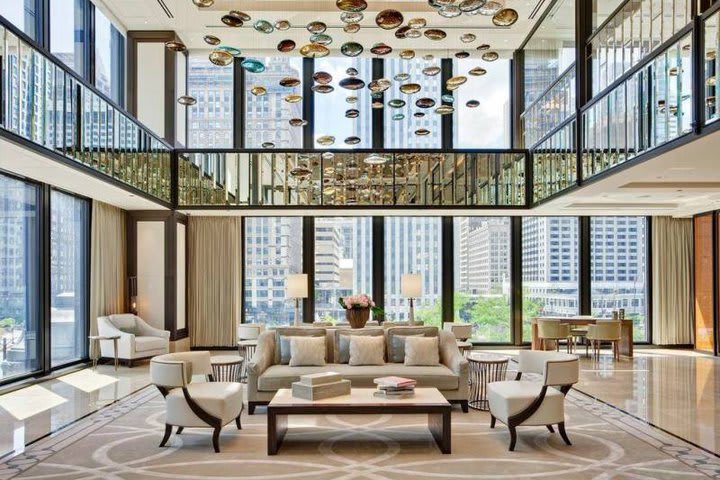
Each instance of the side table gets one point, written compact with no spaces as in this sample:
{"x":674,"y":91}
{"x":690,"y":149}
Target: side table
{"x":95,"y":341}
{"x":464,"y":347}
{"x":226,"y":368}
{"x":246,"y":348}
{"x":484,"y":368}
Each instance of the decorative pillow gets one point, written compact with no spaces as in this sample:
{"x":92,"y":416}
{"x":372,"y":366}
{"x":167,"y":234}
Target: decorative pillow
{"x":307,"y":351}
{"x":282,"y":346}
{"x":342,"y":341}
{"x":422,"y":351}
{"x":396,"y":347}
{"x":367,"y":350}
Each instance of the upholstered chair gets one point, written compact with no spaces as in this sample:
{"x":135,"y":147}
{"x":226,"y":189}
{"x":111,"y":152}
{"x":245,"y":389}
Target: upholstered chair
{"x":555,"y":330}
{"x":535,"y":403}
{"x":200,"y":404}
{"x":605,"y":331}
{"x":322,"y":324}
{"x":250,"y":331}
{"x":462,"y":331}
{"x":138,"y":340}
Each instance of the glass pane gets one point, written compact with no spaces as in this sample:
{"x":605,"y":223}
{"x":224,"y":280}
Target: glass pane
{"x":210,"y":120}
{"x":492,"y":90}
{"x":343,"y":263}
{"x":69,"y":222}
{"x":67,"y":32}
{"x":413,"y":245}
{"x":400,"y":132}
{"x":619,"y":269}
{"x":22,"y":14}
{"x":268,"y":115}
{"x":482,"y":277}
{"x":273,"y":249}
{"x":331,"y":108}
{"x":550,"y":268}
{"x":109,"y":58}
{"x":19,"y":282}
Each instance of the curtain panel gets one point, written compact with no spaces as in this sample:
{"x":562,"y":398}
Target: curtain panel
{"x":672,"y":271}
{"x":214,"y":280}
{"x":108,"y":262}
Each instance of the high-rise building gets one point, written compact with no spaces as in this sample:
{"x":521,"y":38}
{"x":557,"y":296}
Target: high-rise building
{"x":484,"y":251}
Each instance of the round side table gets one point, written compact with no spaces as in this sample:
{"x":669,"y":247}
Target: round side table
{"x":247,"y":350}
{"x":484,"y":368}
{"x":226,"y":368}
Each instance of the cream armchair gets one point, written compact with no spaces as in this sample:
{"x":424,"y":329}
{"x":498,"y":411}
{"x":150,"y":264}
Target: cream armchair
{"x":201,"y":404}
{"x":138,"y":340}
{"x":520,"y":403}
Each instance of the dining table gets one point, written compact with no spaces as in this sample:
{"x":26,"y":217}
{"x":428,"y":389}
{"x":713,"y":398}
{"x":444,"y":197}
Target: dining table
{"x":626,"y":331}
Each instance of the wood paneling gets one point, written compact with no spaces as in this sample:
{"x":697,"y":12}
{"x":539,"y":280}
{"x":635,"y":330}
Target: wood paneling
{"x":704,"y":284}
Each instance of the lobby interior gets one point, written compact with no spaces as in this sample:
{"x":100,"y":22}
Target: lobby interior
{"x":223,"y":175}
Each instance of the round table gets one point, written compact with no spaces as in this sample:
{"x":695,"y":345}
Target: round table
{"x":484,"y":368}
{"x":247,"y":350}
{"x":226,"y":368}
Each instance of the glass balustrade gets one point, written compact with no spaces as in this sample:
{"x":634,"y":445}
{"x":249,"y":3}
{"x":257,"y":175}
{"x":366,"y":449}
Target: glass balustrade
{"x":552,"y":108}
{"x":555,"y":162}
{"x":351,"y":179}
{"x":44,"y":103}
{"x":710,"y":67}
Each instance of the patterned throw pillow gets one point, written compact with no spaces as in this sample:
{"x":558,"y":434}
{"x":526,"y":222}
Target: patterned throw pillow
{"x":307,"y":351}
{"x":422,"y":351}
{"x":367,"y":350}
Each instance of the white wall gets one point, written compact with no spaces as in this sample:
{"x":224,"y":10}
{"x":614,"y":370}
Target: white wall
{"x":150,"y":83}
{"x":151,"y":272}
{"x":181,"y":276}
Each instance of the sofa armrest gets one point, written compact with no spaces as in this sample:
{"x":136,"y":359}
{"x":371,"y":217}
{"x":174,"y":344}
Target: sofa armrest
{"x":264,"y":354}
{"x":450,"y":354}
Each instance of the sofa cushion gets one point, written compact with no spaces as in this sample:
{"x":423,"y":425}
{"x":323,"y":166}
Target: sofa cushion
{"x":306,"y":351}
{"x":367,"y":350}
{"x":282,"y":376}
{"x":222,"y":400}
{"x":422,"y":351}
{"x":342,"y":341}
{"x":282,"y":345}
{"x":509,"y":398}
{"x":396,"y":348}
{"x":145,"y":344}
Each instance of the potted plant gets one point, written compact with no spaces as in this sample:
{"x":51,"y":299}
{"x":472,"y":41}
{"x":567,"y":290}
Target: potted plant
{"x":357,"y":309}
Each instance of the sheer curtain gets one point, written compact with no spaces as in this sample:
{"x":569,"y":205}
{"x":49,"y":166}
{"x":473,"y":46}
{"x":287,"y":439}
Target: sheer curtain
{"x":108,"y":262}
{"x":672,"y":271}
{"x":214,"y":280}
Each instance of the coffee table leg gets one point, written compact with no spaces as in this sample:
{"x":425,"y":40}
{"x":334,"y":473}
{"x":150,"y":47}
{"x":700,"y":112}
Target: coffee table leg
{"x":439,"y":426}
{"x":276,"y":430}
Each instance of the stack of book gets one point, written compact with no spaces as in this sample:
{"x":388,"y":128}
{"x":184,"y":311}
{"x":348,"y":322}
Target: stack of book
{"x":317,"y":386}
{"x":395,"y":387}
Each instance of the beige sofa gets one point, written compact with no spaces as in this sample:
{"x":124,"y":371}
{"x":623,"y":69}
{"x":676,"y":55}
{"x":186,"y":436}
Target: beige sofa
{"x":266,"y":373}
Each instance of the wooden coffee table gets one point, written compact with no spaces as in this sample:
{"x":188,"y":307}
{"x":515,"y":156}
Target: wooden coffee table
{"x":360,"y":402}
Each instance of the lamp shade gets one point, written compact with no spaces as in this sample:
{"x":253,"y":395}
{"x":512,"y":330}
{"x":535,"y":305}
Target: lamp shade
{"x":296,"y":285}
{"x":411,"y":285}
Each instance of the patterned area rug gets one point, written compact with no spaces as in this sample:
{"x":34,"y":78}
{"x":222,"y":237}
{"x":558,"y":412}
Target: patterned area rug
{"x":121,"y":442}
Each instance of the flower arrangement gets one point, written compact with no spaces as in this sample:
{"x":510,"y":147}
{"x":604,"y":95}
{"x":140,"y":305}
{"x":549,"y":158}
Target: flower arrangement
{"x":359,"y":301}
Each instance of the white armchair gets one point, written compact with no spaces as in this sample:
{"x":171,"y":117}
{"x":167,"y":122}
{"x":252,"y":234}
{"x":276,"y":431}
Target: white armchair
{"x":521,"y":402}
{"x":201,"y":404}
{"x":138,"y":340}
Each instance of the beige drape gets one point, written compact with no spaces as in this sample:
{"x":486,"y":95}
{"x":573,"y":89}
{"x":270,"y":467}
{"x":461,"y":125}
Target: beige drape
{"x":108,"y":262}
{"x":214,"y":280}
{"x":672,"y":270}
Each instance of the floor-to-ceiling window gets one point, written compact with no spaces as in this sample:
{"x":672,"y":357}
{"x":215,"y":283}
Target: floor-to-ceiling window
{"x":619,"y":269}
{"x":20,"y":335}
{"x":482,"y":277}
{"x":273,"y":97}
{"x":343,"y":263}
{"x":68,"y":32}
{"x":413,"y":245}
{"x":69,"y":256}
{"x":22,"y":14}
{"x":210,"y":120}
{"x":109,"y":58}
{"x":273,"y":249}
{"x":550,"y":268}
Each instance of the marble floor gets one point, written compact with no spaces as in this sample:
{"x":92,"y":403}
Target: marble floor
{"x":675,"y":390}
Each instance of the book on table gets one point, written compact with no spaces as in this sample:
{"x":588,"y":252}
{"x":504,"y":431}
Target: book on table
{"x":395,"y":382}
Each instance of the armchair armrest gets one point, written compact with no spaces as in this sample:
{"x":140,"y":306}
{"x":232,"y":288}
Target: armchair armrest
{"x":149,"y":331}
{"x":126,"y":342}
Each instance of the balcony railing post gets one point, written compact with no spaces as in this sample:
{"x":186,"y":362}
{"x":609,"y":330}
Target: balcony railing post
{"x":698,"y":74}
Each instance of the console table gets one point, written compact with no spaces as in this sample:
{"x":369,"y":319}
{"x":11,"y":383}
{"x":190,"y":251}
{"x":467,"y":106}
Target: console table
{"x":626,"y":339}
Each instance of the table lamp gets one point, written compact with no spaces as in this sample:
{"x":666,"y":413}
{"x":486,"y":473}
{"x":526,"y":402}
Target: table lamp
{"x":296,"y":286}
{"x":411,"y":288}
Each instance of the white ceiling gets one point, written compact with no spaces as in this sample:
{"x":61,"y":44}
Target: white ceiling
{"x":24,"y":162}
{"x":192,"y":23}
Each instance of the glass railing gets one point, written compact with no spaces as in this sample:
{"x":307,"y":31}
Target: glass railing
{"x":551,"y":109}
{"x":358,"y":178}
{"x":650,"y":108}
{"x":636,"y":30}
{"x":710,"y":67}
{"x":555,"y":162}
{"x":45,"y":103}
